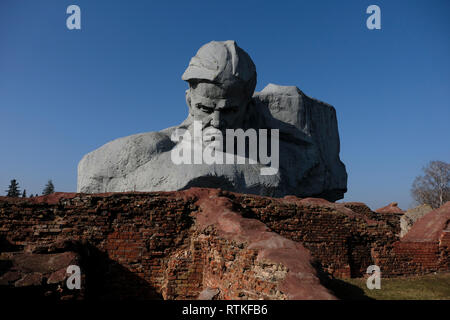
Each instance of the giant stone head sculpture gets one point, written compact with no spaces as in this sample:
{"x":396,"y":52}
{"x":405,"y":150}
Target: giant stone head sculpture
{"x":222,"y":79}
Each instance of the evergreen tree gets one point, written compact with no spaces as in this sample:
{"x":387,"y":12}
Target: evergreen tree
{"x":24,"y":194}
{"x":13,"y":190}
{"x":49,"y":188}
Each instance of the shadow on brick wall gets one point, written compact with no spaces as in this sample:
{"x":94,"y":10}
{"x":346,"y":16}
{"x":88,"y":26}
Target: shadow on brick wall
{"x":108,"y":280}
{"x":102,"y":278}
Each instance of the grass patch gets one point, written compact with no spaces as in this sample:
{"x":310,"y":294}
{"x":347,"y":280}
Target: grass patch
{"x":428,"y":287}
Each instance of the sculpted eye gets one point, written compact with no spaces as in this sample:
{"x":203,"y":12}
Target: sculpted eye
{"x":204,"y":108}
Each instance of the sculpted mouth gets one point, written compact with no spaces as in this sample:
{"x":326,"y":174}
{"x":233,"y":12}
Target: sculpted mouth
{"x":209,"y":125}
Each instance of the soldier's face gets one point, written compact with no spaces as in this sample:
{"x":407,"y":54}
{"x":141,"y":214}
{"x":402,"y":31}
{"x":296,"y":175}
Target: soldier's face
{"x":216,"y":107}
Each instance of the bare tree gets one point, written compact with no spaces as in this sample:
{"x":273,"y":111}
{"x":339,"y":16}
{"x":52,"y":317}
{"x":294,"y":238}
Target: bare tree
{"x":433,"y":187}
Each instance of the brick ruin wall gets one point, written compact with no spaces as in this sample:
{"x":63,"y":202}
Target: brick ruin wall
{"x":128,"y":236}
{"x":346,"y":243}
{"x":139,"y":246}
{"x":147,"y":245}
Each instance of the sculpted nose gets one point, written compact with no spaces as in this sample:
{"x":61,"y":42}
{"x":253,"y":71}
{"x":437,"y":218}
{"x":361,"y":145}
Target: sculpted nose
{"x":216,"y":119}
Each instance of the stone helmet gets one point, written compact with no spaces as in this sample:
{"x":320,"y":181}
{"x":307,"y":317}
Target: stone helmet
{"x":225,"y":64}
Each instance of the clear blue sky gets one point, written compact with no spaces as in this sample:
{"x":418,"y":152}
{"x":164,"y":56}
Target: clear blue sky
{"x":65,"y":93}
